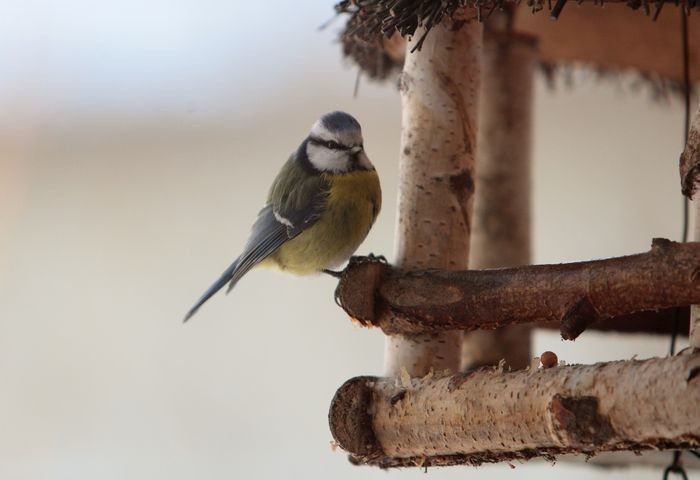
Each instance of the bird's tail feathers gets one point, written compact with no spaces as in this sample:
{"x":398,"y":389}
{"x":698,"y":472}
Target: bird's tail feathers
{"x":231,"y":274}
{"x":240,"y":271}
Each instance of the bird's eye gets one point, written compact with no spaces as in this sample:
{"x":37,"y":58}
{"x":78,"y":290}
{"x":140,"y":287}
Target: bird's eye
{"x":332,"y":145}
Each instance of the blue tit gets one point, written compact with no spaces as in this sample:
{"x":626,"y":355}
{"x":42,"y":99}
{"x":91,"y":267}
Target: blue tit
{"x":319,"y":209}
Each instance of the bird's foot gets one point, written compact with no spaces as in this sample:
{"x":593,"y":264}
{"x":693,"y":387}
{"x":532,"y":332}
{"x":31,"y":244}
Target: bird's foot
{"x":370,"y":258}
{"x":377,"y":258}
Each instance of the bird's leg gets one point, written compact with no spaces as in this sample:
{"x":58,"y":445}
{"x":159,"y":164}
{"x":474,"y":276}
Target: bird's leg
{"x":332,"y":273}
{"x":355,"y":260}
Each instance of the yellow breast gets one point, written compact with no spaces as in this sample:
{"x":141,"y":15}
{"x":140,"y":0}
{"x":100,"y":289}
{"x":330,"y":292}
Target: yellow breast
{"x":353,"y":204}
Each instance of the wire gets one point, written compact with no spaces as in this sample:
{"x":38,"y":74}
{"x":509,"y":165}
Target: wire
{"x":675,"y":467}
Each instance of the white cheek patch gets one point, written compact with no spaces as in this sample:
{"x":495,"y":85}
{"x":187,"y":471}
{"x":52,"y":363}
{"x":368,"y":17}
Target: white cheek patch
{"x":325,"y":159}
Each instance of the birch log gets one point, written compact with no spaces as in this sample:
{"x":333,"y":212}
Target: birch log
{"x":439,"y":88}
{"x":574,"y":294}
{"x":491,"y":416}
{"x":501,"y":230}
{"x":690,"y":179}
{"x":694,"y":331}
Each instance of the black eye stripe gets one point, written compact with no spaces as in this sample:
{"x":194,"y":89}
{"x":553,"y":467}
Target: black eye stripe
{"x":330,"y":144}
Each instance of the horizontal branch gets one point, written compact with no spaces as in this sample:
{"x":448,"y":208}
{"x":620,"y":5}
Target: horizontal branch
{"x":492,"y":416}
{"x":573,"y":295}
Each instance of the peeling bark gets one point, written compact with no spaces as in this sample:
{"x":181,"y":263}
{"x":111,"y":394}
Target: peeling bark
{"x":501,"y":230}
{"x":438,"y":88}
{"x":489,"y":415}
{"x":574,"y":294}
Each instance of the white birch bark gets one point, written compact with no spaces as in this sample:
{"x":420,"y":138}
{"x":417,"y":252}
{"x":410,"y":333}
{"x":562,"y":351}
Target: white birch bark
{"x":439,"y":89}
{"x":690,"y":180}
{"x":491,"y":416}
{"x":694,"y":334}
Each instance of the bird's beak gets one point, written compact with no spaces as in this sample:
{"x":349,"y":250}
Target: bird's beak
{"x":356,"y":149}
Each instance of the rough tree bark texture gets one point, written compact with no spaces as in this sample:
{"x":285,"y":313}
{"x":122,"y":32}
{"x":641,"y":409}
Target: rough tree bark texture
{"x":694,"y":331}
{"x":501,"y":228}
{"x":491,"y":416}
{"x":690,"y":178}
{"x":439,"y":88}
{"x":574,"y":294}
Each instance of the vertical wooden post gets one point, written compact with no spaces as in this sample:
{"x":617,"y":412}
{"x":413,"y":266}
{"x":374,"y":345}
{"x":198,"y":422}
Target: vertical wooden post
{"x":501,"y":229}
{"x":439,"y":88}
{"x":690,"y":178}
{"x":694,"y":334}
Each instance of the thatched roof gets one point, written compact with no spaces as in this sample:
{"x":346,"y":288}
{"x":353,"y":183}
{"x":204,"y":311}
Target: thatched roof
{"x":611,"y":36}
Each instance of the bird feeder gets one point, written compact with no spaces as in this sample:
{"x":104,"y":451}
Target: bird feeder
{"x":461,"y":294}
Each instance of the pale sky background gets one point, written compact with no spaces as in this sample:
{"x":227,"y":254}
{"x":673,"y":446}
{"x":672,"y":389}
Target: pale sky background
{"x":137,"y":143}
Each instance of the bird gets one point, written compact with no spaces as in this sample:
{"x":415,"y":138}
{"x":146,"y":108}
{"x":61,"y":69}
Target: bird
{"x":319,"y":209}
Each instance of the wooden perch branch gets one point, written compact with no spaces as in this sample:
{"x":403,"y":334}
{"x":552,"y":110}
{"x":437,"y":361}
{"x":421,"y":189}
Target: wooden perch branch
{"x":574,"y":294}
{"x":492,"y":416}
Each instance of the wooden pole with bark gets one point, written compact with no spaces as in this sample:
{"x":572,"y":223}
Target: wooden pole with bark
{"x":439,"y":87}
{"x":694,"y":331}
{"x":501,"y":229}
{"x":489,"y":415}
{"x":690,"y":179}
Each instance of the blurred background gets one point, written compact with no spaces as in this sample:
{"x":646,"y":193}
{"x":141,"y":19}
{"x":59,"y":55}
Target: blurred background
{"x":137,"y":143}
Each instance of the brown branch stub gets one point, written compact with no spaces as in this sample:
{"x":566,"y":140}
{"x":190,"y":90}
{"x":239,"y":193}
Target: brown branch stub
{"x":659,"y":322}
{"x":574,"y":294}
{"x":360,"y":303}
{"x":492,"y":416}
{"x":690,"y":159}
{"x":578,"y":318}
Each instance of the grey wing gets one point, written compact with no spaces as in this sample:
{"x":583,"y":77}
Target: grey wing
{"x":267,"y":235}
{"x":269,"y":232}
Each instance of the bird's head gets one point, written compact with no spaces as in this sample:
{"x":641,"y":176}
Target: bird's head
{"x":334,"y":145}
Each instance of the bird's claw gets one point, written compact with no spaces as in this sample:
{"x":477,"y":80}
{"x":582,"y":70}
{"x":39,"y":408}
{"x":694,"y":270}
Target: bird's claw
{"x":371,"y":258}
{"x":377,"y":258}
